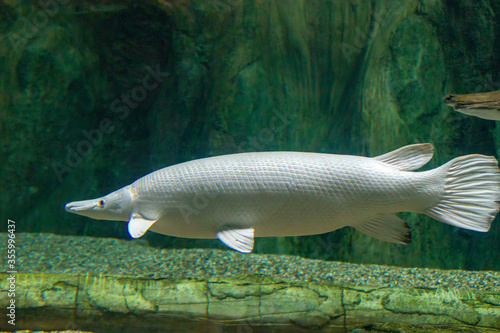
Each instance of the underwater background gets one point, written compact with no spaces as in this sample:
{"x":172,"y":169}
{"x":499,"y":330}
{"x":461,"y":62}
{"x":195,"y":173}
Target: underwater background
{"x":351,"y":77}
{"x":97,"y":93}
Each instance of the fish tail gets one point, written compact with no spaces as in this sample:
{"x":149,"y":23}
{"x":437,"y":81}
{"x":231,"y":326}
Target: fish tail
{"x":471,"y":195}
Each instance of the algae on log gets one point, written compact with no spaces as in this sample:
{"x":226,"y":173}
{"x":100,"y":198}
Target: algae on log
{"x":326,"y":76}
{"x":51,"y":301}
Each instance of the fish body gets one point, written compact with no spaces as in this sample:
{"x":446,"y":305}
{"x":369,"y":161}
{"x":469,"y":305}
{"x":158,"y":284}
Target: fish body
{"x":266,"y":194}
{"x":277,"y":193}
{"x":483,"y":105}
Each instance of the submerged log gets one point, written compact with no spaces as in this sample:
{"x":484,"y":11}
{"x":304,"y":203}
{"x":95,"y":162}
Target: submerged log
{"x":86,"y":301}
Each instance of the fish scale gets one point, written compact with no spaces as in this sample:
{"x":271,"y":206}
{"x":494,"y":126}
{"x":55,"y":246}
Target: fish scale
{"x":331,"y":181}
{"x":265,"y":194}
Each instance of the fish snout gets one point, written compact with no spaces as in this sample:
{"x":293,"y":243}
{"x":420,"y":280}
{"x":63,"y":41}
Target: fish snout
{"x":79,"y":206}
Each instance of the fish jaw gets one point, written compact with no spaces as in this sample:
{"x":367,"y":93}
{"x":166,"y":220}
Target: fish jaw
{"x":116,"y":206}
{"x":481,"y":105}
{"x":79,"y":207}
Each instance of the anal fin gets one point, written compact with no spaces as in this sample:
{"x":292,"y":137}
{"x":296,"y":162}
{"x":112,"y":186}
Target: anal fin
{"x":388,"y":228}
{"x":238,"y":239}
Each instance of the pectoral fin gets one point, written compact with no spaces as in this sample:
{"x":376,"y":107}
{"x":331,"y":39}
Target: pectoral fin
{"x":388,"y":228}
{"x":138,"y":225}
{"x":238,"y":239}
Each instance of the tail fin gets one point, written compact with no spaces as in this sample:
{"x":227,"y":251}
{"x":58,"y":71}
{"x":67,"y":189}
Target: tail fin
{"x":471,"y":197}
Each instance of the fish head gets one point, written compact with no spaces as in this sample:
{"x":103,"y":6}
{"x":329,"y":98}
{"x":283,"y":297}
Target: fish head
{"x":481,"y":105}
{"x":115,"y":206}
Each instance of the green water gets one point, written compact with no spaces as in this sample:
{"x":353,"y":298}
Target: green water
{"x":96,"y":95}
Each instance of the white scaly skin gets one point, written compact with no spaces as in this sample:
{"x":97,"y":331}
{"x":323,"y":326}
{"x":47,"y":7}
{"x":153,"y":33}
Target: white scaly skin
{"x":279,"y":194}
{"x":293,"y":194}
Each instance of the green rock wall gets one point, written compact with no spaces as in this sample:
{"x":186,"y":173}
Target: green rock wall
{"x":82,"y":114}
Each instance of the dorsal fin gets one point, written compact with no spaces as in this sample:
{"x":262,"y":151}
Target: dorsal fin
{"x":409,"y":157}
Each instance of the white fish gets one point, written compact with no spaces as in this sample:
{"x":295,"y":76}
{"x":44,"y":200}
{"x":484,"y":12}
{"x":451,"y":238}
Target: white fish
{"x":268,"y":194}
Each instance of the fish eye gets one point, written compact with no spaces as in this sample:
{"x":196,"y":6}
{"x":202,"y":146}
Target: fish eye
{"x":448,"y":98}
{"x":101,"y":203}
